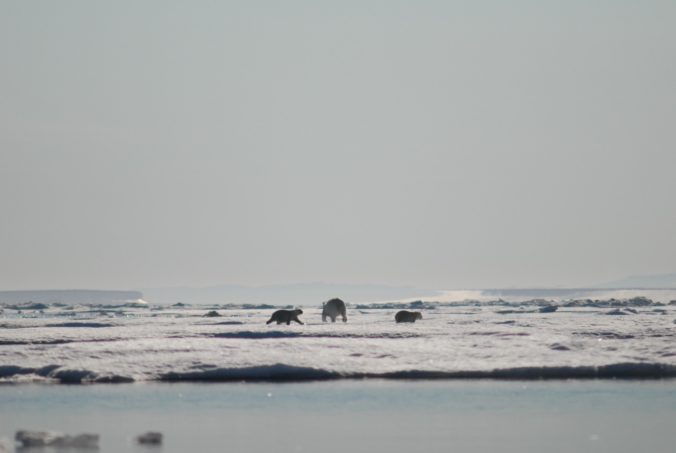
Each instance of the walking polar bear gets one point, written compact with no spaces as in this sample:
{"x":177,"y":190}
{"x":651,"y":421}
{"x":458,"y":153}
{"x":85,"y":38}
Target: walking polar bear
{"x":286,"y":316}
{"x":332,"y":309}
{"x":407,"y":316}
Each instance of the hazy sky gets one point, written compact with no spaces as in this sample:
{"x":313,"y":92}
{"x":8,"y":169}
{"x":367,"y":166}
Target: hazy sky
{"x":433,"y":143}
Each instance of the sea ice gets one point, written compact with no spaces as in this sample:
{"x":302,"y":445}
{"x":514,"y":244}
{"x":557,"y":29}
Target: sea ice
{"x":456,"y":339}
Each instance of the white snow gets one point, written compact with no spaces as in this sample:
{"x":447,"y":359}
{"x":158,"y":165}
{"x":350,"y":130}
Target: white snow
{"x":82,"y":344}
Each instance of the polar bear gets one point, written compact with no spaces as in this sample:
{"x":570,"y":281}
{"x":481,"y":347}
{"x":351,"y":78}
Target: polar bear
{"x":332,"y":309}
{"x":407,"y":316}
{"x":286,"y":316}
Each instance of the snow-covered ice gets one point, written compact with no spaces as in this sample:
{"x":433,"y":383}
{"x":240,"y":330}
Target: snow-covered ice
{"x":495,"y":339}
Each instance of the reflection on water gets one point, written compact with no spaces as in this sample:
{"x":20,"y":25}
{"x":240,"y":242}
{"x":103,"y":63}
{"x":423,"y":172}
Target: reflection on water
{"x":474,"y":416}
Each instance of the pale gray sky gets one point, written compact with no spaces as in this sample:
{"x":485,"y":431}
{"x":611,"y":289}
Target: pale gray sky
{"x":431,"y":143}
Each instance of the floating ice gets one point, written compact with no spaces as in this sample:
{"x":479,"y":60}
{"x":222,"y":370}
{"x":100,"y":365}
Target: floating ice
{"x":29,"y":439}
{"x":150,"y":438}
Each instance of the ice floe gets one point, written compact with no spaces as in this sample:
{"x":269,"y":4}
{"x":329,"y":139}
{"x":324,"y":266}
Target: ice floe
{"x":31,"y":439}
{"x":494,"y":339}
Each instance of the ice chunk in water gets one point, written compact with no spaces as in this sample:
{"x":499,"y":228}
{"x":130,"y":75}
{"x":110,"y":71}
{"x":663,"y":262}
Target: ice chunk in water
{"x":54,"y":439}
{"x":150,"y":438}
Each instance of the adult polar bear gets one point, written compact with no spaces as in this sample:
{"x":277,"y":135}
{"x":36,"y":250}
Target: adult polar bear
{"x":332,"y":309}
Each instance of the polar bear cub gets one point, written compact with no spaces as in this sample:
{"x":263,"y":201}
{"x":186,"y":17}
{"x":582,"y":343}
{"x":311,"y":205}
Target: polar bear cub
{"x":332,"y":309}
{"x":286,"y":316}
{"x":407,"y":316}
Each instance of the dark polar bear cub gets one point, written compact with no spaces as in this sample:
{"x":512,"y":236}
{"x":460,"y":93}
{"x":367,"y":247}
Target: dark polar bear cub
{"x":286,"y":316}
{"x":407,"y":316}
{"x":332,"y":309}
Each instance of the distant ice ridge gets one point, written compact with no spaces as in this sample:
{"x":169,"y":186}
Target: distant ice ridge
{"x":551,"y":303}
{"x":557,"y":294}
{"x":70,"y":296}
{"x":513,"y":298}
